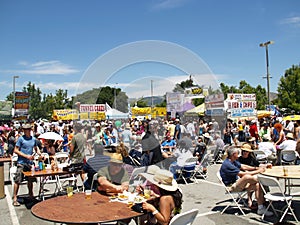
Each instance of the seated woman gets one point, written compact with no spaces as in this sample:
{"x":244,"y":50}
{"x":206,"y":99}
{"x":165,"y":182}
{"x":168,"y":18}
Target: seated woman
{"x":49,"y":148}
{"x":247,"y":157}
{"x":168,"y":203}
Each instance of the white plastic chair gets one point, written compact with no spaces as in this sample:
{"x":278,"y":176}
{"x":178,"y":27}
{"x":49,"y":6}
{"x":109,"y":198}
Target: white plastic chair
{"x":48,"y":180}
{"x":186,"y":218}
{"x":275,"y":194}
{"x":236,"y":197}
{"x":62,"y":160}
{"x":13,"y":170}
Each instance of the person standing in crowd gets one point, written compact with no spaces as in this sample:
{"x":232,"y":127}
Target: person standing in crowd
{"x":254,"y":132}
{"x":77,"y":154}
{"x":126,"y":136}
{"x":25,"y":148}
{"x":177,"y":131}
{"x":191,"y":129}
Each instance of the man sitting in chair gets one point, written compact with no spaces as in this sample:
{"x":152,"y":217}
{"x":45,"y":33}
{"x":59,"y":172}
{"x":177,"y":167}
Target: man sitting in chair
{"x":113,"y":178}
{"x":242,"y":177}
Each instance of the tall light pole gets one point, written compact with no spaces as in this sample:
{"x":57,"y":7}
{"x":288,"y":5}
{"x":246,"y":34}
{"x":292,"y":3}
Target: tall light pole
{"x":14,"y":94}
{"x":115,"y":96}
{"x":268,"y":74}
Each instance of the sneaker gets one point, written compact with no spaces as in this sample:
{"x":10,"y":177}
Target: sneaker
{"x":264,"y":211}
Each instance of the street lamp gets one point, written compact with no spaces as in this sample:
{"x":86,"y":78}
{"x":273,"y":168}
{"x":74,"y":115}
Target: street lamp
{"x":268,"y":74}
{"x":14,"y":93}
{"x":115,"y":96}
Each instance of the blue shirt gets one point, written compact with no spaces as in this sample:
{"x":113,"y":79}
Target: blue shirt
{"x":26,"y":145}
{"x":229,"y":171}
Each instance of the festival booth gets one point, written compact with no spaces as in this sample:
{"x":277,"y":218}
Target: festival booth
{"x":147,"y":112}
{"x":196,"y":111}
{"x":116,"y":114}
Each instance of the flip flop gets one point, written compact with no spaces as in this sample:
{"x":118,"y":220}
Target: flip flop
{"x":16,"y":203}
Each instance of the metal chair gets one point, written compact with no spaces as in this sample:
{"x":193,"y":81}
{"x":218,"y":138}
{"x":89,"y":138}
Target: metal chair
{"x":199,"y":169}
{"x":275,"y":194}
{"x":188,"y":169}
{"x":186,"y":218}
{"x":261,"y":156}
{"x":288,"y":157}
{"x":236,"y":197}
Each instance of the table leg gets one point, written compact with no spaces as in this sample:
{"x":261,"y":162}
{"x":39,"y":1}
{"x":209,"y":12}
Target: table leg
{"x":2,"y":194}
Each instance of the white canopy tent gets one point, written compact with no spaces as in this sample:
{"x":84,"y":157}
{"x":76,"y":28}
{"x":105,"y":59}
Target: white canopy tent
{"x":116,"y":114}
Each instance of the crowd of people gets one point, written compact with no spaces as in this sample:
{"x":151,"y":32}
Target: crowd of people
{"x":116,"y":147}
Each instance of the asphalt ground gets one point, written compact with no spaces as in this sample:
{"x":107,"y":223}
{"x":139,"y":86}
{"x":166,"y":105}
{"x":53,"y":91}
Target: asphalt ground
{"x":208,"y":196}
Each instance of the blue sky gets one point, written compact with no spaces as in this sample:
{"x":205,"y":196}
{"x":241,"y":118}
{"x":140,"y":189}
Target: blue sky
{"x":57,"y":44}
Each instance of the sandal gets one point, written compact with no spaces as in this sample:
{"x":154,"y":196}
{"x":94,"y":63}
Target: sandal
{"x":16,"y":203}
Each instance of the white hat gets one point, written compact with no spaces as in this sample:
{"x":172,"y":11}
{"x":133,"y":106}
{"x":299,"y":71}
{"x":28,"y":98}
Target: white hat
{"x":97,"y":125}
{"x":206,"y":135}
{"x":266,"y":137}
{"x":177,"y":120}
{"x":289,"y":135}
{"x":163,"y":179}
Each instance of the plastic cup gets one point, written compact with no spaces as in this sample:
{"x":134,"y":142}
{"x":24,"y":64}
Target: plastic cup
{"x":69,"y":191}
{"x":147,"y":193}
{"x":88,"y":194}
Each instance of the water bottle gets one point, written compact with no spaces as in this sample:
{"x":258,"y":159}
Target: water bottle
{"x":40,"y":165}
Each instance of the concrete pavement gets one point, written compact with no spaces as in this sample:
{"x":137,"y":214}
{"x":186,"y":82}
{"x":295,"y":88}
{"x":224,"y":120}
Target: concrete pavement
{"x":208,"y":196}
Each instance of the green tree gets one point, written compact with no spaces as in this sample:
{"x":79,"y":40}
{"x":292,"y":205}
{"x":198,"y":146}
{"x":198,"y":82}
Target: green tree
{"x":289,"y":89}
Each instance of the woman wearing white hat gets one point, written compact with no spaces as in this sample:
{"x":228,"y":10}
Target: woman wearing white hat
{"x":170,"y":200}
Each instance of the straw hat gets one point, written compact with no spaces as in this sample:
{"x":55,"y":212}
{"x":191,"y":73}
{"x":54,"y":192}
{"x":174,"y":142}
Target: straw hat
{"x":116,"y":158}
{"x":252,"y":139}
{"x":289,"y":135}
{"x":127,"y":125}
{"x":246,"y":147}
{"x":163,"y":179}
{"x":26,"y":126}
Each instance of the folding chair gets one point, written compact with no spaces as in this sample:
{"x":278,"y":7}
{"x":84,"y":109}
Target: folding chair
{"x":261,"y":156}
{"x":199,"y":168}
{"x":275,"y":194}
{"x":186,"y":218}
{"x":46,"y":180}
{"x":135,"y":179}
{"x":288,"y":157}
{"x":236,"y":197}
{"x":62,"y":159}
{"x":188,"y":169}
{"x":13,"y":171}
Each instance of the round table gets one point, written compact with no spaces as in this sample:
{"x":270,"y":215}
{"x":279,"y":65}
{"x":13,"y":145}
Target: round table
{"x":78,"y":210}
{"x":277,"y":171}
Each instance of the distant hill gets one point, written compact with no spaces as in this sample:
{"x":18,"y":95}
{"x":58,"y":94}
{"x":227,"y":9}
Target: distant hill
{"x":156,"y":100}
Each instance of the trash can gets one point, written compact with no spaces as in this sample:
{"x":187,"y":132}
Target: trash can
{"x":2,"y":194}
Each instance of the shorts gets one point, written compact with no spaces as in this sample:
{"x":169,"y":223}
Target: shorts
{"x":19,"y":176}
{"x":236,"y":188}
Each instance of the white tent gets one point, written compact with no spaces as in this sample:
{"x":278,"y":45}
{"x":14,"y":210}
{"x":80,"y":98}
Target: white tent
{"x":115,"y":114}
{"x":199,"y":110}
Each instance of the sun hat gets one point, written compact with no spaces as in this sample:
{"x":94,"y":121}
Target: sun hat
{"x":26,"y":126}
{"x":127,"y":125}
{"x":289,"y":135}
{"x":116,"y":158}
{"x":206,"y":135}
{"x":266,"y":137}
{"x":97,"y":125}
{"x":163,"y":179}
{"x":152,"y":169}
{"x":252,"y":139}
{"x":246,"y":147}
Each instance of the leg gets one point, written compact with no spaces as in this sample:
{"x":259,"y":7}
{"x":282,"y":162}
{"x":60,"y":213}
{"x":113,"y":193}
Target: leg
{"x":30,"y":188}
{"x":16,"y":189}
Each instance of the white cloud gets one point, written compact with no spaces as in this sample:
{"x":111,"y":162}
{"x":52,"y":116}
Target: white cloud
{"x":53,"y":67}
{"x":294,"y":21}
{"x":169,"y":4}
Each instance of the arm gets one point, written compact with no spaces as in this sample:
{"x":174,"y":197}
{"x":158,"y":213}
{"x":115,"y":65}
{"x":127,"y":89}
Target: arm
{"x":245,"y":169}
{"x":109,"y":187}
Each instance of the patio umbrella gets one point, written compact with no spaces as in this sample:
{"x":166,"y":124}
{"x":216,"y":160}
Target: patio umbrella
{"x":51,"y":136}
{"x":292,"y":117}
